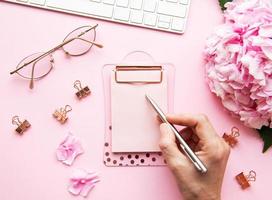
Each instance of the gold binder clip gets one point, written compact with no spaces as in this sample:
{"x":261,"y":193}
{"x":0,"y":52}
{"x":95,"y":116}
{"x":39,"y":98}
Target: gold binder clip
{"x":61,"y":114}
{"x":244,"y":180}
{"x":232,"y":138}
{"x":82,"y":92}
{"x":22,"y":126}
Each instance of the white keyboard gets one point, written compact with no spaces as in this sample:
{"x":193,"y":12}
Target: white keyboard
{"x":166,"y":15}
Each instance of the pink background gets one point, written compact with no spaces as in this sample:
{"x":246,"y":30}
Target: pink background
{"x":29,"y":169}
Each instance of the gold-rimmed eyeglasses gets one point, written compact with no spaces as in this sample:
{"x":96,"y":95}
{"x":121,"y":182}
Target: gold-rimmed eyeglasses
{"x":38,"y":65}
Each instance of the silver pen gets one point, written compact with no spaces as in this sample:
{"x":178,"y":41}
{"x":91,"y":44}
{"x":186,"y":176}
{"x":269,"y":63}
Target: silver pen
{"x":185,"y":147}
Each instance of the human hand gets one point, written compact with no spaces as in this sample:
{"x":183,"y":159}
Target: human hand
{"x":213,"y":151}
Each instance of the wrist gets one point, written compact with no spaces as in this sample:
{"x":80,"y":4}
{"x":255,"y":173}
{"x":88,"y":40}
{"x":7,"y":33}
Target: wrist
{"x":201,"y":195}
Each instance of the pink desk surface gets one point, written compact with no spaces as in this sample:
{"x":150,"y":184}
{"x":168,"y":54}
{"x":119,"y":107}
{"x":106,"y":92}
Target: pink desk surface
{"x":29,"y":169}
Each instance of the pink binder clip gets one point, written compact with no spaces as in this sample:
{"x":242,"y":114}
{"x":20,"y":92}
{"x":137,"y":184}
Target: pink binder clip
{"x":244,"y":180}
{"x":231,"y":139}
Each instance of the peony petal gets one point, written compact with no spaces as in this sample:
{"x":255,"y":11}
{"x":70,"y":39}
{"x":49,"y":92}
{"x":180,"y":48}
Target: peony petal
{"x":231,"y":105}
{"x":267,"y":51}
{"x":266,"y":30}
{"x":253,"y":119}
{"x":268,"y":68}
{"x":241,"y":98}
{"x":253,"y":66}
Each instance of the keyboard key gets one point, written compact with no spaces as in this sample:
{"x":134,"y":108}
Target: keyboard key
{"x":150,"y":5}
{"x":177,"y":24}
{"x":136,"y":4}
{"x":122,"y":3}
{"x":150,"y":19}
{"x":184,"y":1}
{"x":111,"y":2}
{"x":136,"y":16}
{"x":121,"y":14}
{"x":39,"y":2}
{"x":164,"y":21}
{"x":163,"y":25}
{"x":173,"y":9}
{"x":165,"y":18}
{"x":85,"y":7}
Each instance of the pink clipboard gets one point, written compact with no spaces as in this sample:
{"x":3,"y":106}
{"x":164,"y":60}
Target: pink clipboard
{"x":138,"y":67}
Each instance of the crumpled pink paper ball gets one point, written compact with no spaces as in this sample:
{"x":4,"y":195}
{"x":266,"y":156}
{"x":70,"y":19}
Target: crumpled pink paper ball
{"x":69,"y":149}
{"x":238,"y":59}
{"x":82,"y":182}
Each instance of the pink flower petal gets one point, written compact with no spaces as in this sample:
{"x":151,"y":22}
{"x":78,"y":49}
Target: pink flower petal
{"x":69,"y":149}
{"x":74,"y":190}
{"x":267,"y":51}
{"x":266,"y":30}
{"x":82,"y":182}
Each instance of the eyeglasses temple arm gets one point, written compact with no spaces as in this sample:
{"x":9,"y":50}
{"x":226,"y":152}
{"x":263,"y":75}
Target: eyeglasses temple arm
{"x":87,"y":30}
{"x":43,"y":55}
{"x":94,"y":43}
{"x":56,"y":48}
{"x":31,"y":84}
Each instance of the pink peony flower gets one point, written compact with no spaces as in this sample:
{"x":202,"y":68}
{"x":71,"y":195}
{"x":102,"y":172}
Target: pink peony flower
{"x":69,"y":149}
{"x":238,"y":59}
{"x":82,"y":182}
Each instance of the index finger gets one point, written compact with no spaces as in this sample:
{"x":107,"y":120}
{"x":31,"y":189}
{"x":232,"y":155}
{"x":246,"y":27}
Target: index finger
{"x":199,"y":122}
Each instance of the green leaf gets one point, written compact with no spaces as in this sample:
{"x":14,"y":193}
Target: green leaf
{"x":222,"y":3}
{"x":266,"y":134}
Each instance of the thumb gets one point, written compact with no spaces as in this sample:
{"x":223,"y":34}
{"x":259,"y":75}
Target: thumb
{"x":168,"y":146}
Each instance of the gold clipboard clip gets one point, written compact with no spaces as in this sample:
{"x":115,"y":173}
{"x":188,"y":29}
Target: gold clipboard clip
{"x":141,"y":70}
